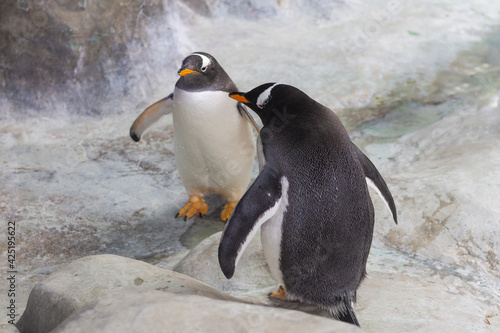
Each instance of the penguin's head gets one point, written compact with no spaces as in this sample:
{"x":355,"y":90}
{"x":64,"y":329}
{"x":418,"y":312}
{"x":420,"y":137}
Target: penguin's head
{"x":200,"y":71}
{"x":259,"y":99}
{"x":268,"y":99}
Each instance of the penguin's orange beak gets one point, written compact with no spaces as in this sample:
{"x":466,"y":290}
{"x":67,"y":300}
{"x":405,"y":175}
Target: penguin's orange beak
{"x":186,"y":71}
{"x":239,"y":97}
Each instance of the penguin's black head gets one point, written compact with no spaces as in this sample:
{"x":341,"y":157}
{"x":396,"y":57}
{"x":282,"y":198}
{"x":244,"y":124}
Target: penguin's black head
{"x":258,"y":99}
{"x":268,"y":99}
{"x":200,"y":71}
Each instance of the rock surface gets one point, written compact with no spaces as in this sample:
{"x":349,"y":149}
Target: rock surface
{"x":160,"y":312}
{"x":450,"y":215}
{"x":77,"y":45}
{"x":86,"y":280}
{"x":410,"y":294}
{"x":8,"y":328}
{"x":202,"y":264}
{"x":114,"y":294}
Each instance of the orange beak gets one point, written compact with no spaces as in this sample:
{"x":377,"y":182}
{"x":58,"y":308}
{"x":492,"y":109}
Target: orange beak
{"x":186,"y":72}
{"x":239,"y":97}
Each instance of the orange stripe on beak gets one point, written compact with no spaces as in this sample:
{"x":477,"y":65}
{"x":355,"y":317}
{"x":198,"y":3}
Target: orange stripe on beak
{"x":186,"y":72}
{"x":239,"y":97}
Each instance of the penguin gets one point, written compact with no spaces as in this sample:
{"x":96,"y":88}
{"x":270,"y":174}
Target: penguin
{"x":310,"y":201}
{"x":213,"y":141}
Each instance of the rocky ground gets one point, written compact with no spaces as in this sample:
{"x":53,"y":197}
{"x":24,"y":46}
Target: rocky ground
{"x":437,"y":269}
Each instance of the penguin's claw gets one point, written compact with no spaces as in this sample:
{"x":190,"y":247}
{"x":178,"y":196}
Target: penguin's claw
{"x":195,"y":206}
{"x":281,"y":294}
{"x":228,"y":210}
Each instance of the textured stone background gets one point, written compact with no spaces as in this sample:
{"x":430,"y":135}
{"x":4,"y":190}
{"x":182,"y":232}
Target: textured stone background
{"x":64,"y":51}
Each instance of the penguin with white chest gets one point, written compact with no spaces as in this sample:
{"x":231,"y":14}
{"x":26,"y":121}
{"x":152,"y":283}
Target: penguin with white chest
{"x":213,"y":141}
{"x":311,"y":201}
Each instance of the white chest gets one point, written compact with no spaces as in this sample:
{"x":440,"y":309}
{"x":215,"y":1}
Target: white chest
{"x":271,"y":233}
{"x":214,"y":145}
{"x":198,"y":114}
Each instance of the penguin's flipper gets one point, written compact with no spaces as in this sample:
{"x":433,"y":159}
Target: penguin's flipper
{"x":258,"y":204}
{"x":151,"y":115}
{"x":375,"y":180}
{"x":245,"y":114}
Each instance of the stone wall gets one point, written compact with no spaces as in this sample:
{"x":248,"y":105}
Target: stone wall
{"x":75,"y":48}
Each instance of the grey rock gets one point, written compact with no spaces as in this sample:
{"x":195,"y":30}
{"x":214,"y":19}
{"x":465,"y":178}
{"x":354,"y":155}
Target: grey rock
{"x":86,"y":280}
{"x":156,"y":311}
{"x":8,"y":328}
{"x":202,"y":264}
{"x":71,"y":45}
{"x":450,"y":214}
{"x":108,"y":293}
{"x":249,"y":10}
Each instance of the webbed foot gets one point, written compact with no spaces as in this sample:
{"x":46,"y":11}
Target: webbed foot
{"x":228,"y":210}
{"x":281,"y":294}
{"x":195,"y":206}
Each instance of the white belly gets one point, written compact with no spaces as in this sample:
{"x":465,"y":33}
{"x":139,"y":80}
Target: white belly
{"x":214,"y":146}
{"x":270,"y":234}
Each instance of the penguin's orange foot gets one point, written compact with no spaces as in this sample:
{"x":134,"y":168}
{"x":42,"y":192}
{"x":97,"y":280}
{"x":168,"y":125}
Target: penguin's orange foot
{"x":281,"y":294}
{"x":228,"y":210}
{"x":195,"y":206}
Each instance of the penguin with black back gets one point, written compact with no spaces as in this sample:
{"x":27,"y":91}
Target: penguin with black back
{"x":213,"y":141}
{"x":310,"y":200}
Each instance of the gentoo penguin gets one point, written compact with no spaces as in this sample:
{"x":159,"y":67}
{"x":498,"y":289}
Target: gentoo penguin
{"x":213,"y":141}
{"x":311,"y":201}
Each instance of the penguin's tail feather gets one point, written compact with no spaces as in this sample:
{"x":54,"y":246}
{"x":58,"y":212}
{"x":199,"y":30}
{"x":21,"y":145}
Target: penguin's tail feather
{"x":344,"y":312}
{"x":347,"y":315}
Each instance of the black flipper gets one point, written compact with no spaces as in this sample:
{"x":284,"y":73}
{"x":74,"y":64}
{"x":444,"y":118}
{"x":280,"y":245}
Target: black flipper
{"x":151,"y":115}
{"x":378,"y":182}
{"x":258,"y":204}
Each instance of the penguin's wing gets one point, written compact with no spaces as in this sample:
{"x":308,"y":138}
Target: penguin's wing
{"x":258,"y":204}
{"x":151,"y":115}
{"x":245,"y":114}
{"x":375,"y":180}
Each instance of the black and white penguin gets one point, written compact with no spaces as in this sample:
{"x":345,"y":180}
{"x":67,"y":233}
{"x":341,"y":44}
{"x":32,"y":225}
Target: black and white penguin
{"x":311,"y":201}
{"x":213,"y":141}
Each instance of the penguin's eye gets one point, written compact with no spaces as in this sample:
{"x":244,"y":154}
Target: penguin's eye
{"x":261,"y":104}
{"x":204,"y":69}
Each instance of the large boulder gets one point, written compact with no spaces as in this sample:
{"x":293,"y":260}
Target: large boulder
{"x":165,"y":312}
{"x":86,"y":280}
{"x":108,"y":293}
